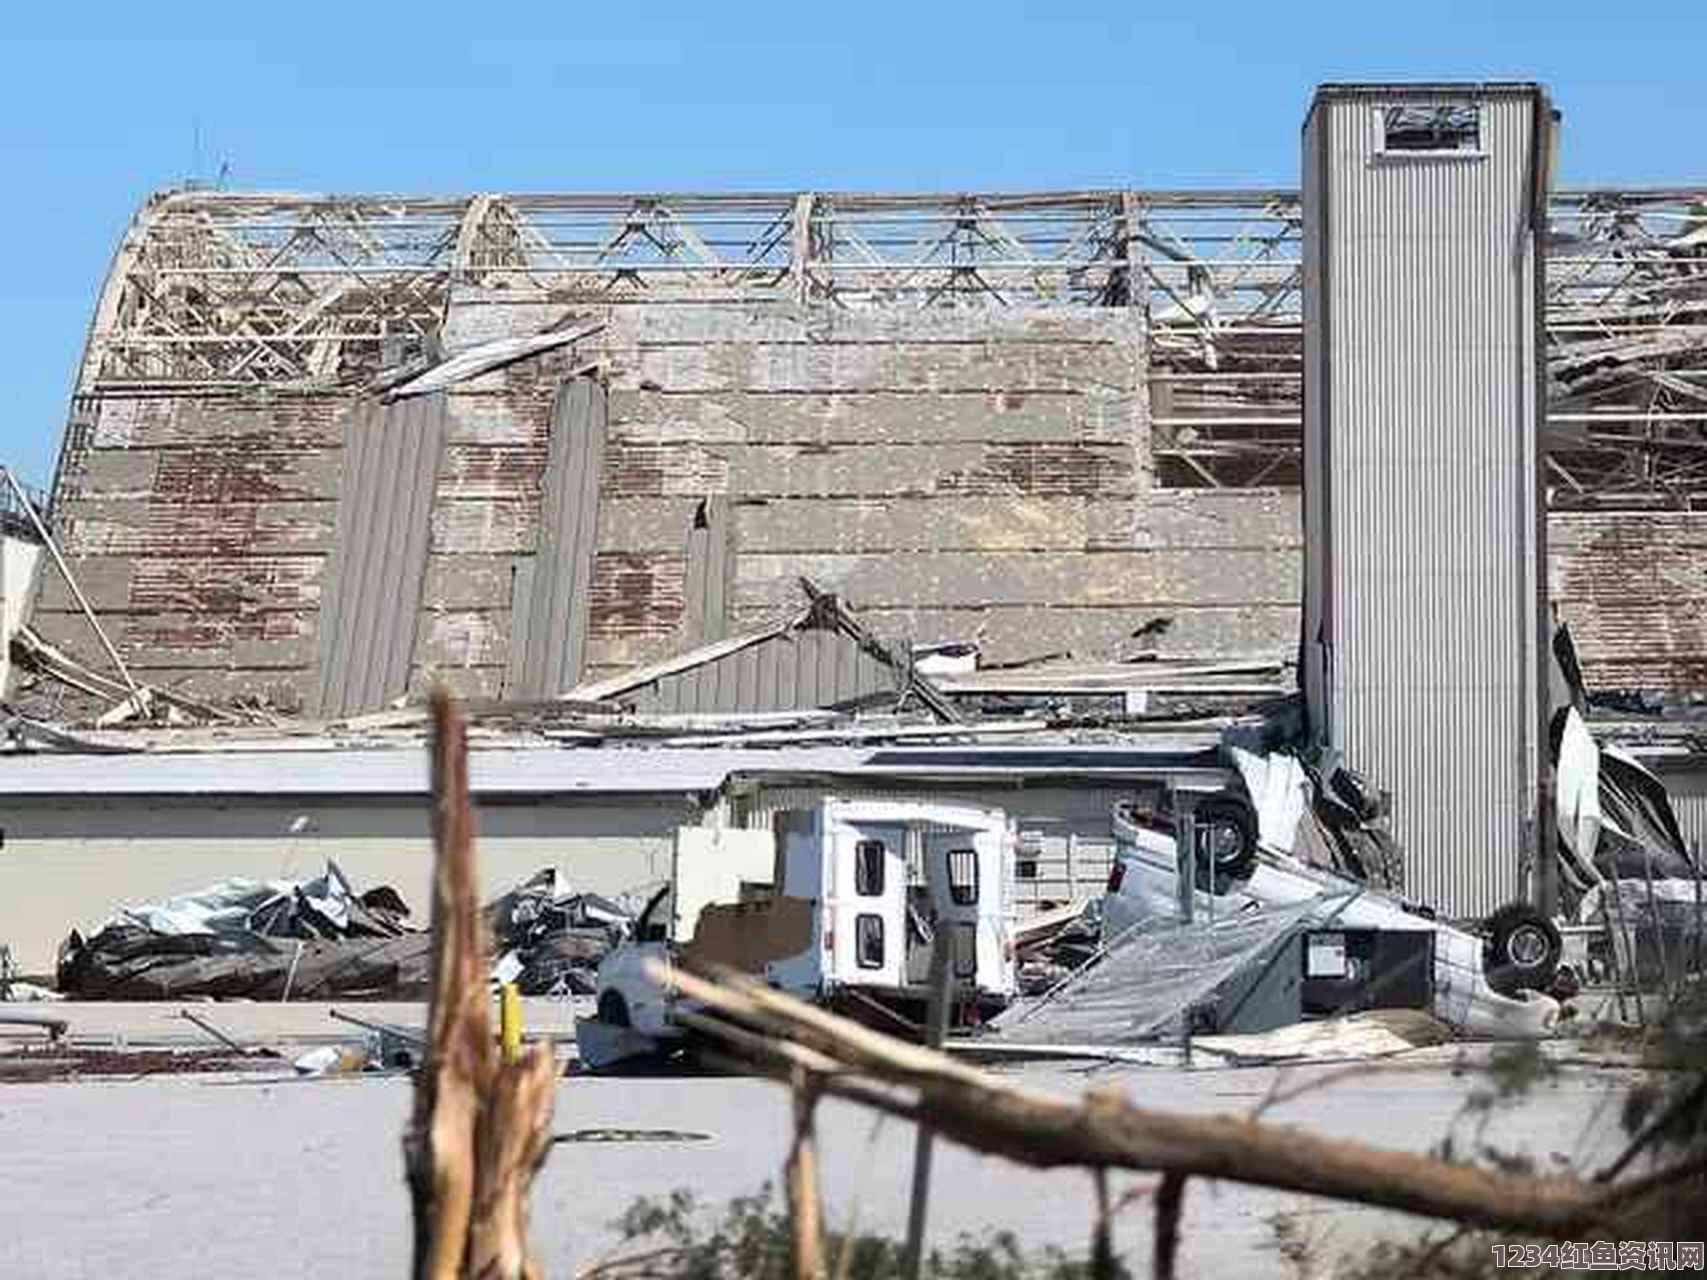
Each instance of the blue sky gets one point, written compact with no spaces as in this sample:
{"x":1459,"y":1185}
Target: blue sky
{"x":102,"y":102}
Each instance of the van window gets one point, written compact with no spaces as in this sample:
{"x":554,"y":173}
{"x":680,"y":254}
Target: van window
{"x":963,"y":877}
{"x":965,"y":951}
{"x":869,"y":857}
{"x":868,"y":941}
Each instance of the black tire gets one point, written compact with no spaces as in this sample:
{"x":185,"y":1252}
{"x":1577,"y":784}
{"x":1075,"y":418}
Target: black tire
{"x":1227,"y":841}
{"x":1520,"y":950}
{"x":613,"y":1009}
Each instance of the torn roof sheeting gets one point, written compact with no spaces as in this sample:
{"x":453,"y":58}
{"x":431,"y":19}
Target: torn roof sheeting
{"x":486,"y":357}
{"x":818,"y":656}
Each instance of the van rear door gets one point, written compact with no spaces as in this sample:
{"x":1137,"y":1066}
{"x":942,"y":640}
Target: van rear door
{"x":865,"y":944}
{"x":963,"y":885}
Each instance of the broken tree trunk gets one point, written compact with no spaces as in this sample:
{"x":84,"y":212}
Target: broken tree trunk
{"x":481,"y":1127}
{"x":805,"y":1201}
{"x":1106,"y":1131}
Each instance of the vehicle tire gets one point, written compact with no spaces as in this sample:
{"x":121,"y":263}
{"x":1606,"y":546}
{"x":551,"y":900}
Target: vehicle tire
{"x":613,"y":1009}
{"x":1520,"y":949}
{"x":1227,"y":841}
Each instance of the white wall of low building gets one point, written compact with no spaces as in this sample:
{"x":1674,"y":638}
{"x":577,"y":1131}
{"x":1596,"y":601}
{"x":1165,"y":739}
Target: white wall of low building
{"x":1065,"y":837}
{"x":18,"y":561}
{"x":72,"y":863}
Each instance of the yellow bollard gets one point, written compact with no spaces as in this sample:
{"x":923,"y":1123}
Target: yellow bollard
{"x":510,"y":1021}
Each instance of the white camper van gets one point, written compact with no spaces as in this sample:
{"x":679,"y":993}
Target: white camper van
{"x":838,"y":904}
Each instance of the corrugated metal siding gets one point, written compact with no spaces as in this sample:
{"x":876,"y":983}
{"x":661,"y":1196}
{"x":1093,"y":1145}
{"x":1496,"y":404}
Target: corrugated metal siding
{"x":1315,"y":628}
{"x":801,"y":669}
{"x":1688,"y":792}
{"x":372,"y":597}
{"x":548,"y":648}
{"x":1430,"y":463}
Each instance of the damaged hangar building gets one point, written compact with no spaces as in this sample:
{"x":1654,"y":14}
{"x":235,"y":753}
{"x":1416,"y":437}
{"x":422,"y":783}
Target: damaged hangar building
{"x":710,"y":504}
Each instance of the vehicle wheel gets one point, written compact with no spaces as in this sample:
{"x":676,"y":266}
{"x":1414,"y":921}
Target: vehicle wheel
{"x":1227,"y":842}
{"x":613,"y":1009}
{"x":1521,"y":949}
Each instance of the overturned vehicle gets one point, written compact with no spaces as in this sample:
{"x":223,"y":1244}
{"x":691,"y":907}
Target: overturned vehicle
{"x":1303,"y":847}
{"x":1362,"y":945}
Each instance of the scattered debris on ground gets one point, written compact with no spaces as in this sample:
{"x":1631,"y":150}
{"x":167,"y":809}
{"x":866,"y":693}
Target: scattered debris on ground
{"x":58,"y":1063}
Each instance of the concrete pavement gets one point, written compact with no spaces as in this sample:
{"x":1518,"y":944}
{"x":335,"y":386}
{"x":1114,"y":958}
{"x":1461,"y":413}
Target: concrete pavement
{"x":302,"y":1178}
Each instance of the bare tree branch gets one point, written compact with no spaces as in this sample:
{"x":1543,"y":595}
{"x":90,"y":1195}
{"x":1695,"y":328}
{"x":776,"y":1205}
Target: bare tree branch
{"x":480,"y":1128}
{"x":1106,"y":1131}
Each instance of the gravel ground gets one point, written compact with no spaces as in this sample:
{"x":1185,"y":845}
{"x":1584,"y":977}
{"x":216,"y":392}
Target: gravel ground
{"x":200,"y":1176}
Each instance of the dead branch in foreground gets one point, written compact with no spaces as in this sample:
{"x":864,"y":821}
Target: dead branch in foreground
{"x":1106,"y":1131}
{"x":481,"y":1127}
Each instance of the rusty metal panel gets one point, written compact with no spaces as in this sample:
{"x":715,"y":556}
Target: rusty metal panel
{"x":1633,"y":589}
{"x":373,"y":580}
{"x":185,"y":530}
{"x":1045,"y":468}
{"x":549,"y":650}
{"x":198,"y":527}
{"x":1423,"y":327}
{"x":641,"y":596}
{"x":639,"y":470}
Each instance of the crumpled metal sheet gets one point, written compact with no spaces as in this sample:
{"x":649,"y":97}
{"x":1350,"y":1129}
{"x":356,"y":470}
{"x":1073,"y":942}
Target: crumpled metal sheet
{"x":319,"y":939}
{"x":323,"y":907}
{"x":486,"y":357}
{"x":550,"y":940}
{"x":1280,"y":792}
{"x":1149,"y":976}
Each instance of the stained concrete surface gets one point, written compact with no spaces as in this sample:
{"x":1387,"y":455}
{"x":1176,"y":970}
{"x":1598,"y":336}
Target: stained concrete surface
{"x":287,"y":1178}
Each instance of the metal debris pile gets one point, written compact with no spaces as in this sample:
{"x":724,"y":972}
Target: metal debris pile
{"x":550,"y":940}
{"x":318,"y":939}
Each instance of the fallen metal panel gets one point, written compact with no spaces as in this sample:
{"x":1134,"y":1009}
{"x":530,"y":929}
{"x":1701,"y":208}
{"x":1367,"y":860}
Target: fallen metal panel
{"x":795,"y":669}
{"x":609,"y":688}
{"x":551,"y":628}
{"x":487,"y":356}
{"x":711,"y":555}
{"x":373,"y":581}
